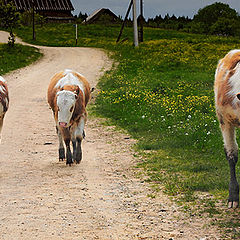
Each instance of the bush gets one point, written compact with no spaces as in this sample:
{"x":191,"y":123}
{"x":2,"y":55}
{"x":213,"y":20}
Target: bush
{"x":26,"y":18}
{"x":197,"y":27}
{"x":225,"y":27}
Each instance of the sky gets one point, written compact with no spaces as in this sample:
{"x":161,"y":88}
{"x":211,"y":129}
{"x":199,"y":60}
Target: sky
{"x":151,"y":7}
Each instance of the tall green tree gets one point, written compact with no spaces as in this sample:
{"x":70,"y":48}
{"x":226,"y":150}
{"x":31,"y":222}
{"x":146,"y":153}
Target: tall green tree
{"x":9,"y":19}
{"x":210,"y":14}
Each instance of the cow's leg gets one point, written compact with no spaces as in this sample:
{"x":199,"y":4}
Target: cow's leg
{"x":67,"y":138}
{"x":1,"y":124}
{"x":231,"y":151}
{"x":79,"y":134}
{"x":69,"y":154}
{"x":79,"y":150}
{"x":61,"y":150}
{"x":74,"y":143}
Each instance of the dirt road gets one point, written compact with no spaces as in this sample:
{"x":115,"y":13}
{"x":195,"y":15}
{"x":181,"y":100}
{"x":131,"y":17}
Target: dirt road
{"x":41,"y":198}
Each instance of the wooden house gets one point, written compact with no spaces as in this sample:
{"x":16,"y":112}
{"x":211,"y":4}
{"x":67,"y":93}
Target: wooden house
{"x":52,"y":10}
{"x":102,"y":15}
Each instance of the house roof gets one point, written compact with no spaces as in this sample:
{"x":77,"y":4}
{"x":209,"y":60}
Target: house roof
{"x":95,"y":14}
{"x":55,"y":5}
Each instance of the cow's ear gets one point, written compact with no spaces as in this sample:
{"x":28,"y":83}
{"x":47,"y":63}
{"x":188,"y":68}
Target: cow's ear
{"x":238,"y":96}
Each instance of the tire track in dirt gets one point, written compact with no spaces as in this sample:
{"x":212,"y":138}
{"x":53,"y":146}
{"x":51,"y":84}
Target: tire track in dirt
{"x":42,"y":198}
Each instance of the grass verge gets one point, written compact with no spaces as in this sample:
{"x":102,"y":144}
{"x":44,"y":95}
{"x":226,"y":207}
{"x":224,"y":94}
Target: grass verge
{"x":16,"y":57}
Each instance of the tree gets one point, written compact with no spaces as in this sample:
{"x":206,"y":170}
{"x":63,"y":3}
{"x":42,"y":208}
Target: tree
{"x":82,"y":16}
{"x":210,"y":14}
{"x":26,"y":18}
{"x":167,"y":17}
{"x":225,"y":27}
{"x":9,"y":19}
{"x":173,"y":17}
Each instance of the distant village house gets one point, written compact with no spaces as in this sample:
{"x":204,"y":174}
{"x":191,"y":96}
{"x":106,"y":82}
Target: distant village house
{"x":102,"y":15}
{"x":52,"y":10}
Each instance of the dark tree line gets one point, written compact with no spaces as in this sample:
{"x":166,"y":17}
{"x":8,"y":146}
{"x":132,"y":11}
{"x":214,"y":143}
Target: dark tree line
{"x":168,"y":22}
{"x":217,"y":18}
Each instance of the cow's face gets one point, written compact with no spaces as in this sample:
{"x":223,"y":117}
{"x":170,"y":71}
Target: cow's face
{"x":65,"y":103}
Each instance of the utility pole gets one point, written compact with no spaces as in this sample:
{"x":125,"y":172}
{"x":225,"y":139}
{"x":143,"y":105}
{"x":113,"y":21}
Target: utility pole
{"x":135,"y":29}
{"x":141,"y":21}
{"x":33,"y":21}
{"x":132,"y":5}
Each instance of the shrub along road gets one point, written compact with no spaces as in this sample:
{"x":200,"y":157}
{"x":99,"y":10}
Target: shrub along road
{"x":101,"y":198}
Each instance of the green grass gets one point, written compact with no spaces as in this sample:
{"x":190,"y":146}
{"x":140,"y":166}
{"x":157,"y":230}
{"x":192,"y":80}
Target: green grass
{"x":162,"y":94}
{"x":64,"y":35}
{"x":17,"y":57}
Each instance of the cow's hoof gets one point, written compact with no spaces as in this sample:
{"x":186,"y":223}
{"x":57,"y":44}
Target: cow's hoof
{"x":233,"y":204}
{"x":69,"y":158}
{"x":78,"y":156}
{"x":61,"y":152}
{"x":233,"y":199}
{"x":69,"y":163}
{"x":75,"y":156}
{"x":78,"y":161}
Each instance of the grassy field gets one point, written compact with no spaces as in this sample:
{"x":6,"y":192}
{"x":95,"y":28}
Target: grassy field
{"x":162,"y":94}
{"x":17,"y":57}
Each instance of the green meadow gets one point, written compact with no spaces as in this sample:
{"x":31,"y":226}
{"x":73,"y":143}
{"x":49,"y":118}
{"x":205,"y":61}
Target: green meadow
{"x":17,"y":57}
{"x":162,"y":94}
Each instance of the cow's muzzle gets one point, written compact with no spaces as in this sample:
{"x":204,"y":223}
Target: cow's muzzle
{"x":63,"y":124}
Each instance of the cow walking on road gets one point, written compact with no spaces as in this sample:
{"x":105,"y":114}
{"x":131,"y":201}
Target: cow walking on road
{"x":68,"y":95}
{"x":4,"y":101}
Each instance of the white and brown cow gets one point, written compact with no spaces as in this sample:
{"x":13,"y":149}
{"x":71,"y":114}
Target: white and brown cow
{"x":227,"y":100}
{"x":4,"y":101}
{"x":68,"y":95}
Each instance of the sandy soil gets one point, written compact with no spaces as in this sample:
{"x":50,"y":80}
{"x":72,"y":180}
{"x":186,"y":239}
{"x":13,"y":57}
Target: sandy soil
{"x":41,"y":198}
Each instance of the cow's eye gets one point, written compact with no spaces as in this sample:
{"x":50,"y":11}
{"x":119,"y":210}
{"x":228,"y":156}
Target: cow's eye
{"x":71,"y":109}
